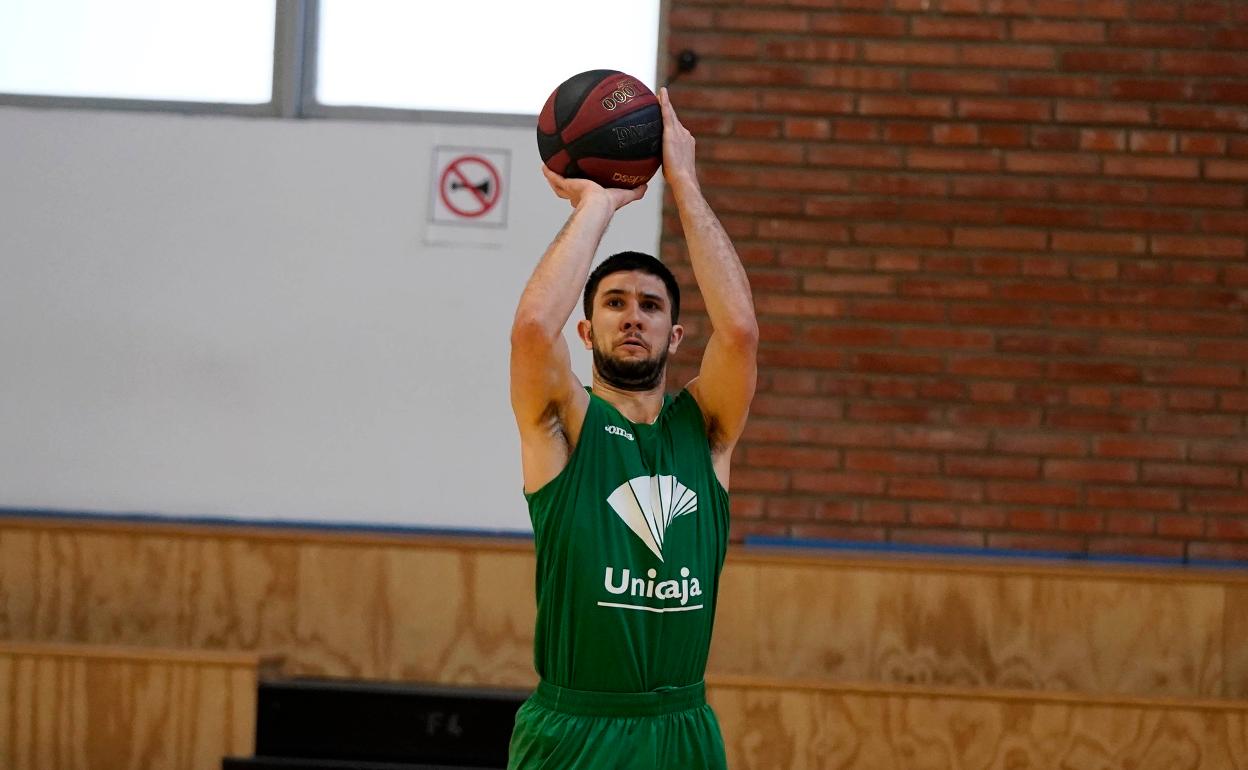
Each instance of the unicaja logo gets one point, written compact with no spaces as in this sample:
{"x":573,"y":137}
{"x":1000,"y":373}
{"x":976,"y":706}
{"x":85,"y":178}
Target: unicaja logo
{"x":648,"y":504}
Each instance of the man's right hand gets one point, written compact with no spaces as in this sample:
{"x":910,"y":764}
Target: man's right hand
{"x":577,"y":190}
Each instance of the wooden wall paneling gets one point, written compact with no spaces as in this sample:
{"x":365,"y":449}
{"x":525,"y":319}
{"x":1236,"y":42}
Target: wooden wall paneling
{"x":433,"y":614}
{"x":79,"y":710}
{"x":239,"y":594}
{"x":1154,"y":638}
{"x":738,"y":617}
{"x":107,"y":588}
{"x":17,"y":579}
{"x":800,"y":728}
{"x":869,"y":624}
{"x":1235,"y":640}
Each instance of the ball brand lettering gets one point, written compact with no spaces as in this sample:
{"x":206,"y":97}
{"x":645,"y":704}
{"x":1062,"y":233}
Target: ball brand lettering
{"x":626,"y":136}
{"x":647,"y":588}
{"x":633,"y":179}
{"x":624,"y":91}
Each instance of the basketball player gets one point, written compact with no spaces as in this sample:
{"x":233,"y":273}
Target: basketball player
{"x":627,"y":486}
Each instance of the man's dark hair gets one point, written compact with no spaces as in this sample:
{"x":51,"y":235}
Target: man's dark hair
{"x":627,"y":261}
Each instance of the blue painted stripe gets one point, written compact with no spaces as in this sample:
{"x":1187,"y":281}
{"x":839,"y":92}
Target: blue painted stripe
{"x":771,"y":541}
{"x":276,"y":524}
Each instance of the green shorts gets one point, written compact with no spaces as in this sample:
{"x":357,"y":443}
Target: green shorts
{"x":562,"y":729}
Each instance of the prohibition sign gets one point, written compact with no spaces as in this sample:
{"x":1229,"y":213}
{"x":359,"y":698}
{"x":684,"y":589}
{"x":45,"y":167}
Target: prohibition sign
{"x":475,"y":175}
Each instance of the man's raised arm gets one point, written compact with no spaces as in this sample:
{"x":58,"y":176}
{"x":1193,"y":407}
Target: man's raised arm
{"x":547,"y":399}
{"x":725,"y":383}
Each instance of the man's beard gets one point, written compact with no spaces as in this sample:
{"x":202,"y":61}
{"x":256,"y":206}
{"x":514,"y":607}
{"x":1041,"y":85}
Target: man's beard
{"x":630,"y":374}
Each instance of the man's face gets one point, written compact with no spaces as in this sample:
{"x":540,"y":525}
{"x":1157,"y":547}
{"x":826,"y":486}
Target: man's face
{"x":631,"y":332}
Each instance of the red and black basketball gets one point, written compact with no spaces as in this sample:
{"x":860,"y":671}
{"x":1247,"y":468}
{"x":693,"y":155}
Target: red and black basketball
{"x":602,"y":125}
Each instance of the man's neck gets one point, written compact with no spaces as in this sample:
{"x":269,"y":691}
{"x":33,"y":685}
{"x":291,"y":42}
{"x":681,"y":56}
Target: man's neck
{"x":640,"y":406}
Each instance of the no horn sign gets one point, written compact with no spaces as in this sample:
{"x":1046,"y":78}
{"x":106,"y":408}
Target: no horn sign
{"x":469,"y":186}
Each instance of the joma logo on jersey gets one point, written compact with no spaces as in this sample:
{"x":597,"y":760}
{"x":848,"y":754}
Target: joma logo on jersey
{"x":647,"y":588}
{"x":616,"y":430}
{"x":649,"y":504}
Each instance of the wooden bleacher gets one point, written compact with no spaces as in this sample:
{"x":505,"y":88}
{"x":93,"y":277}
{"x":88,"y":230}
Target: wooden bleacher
{"x":88,"y":707}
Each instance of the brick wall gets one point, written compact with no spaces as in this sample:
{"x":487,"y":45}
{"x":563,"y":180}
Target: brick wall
{"x":998,"y":250}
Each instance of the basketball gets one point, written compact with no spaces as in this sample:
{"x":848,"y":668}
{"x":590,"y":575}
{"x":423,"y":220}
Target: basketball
{"x":602,"y":125}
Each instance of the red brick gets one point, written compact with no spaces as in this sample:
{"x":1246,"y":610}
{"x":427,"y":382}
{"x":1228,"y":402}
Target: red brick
{"x":907,"y":52}
{"x":1080,"y":521}
{"x":1021,"y":493}
{"x":1027,"y":542}
{"x":1154,"y":141}
{"x":802,"y":49}
{"x":1078,"y":9}
{"x":793,"y":457}
{"x":901,"y":235}
{"x":1013,"y":110}
{"x":1100,"y":192}
{"x":907,"y":133}
{"x":1124,"y":523}
{"x":806,"y":127}
{"x":995,"y":416}
{"x":933,"y":514}
{"x":996,"y":366}
{"x":850,"y":156}
{"x":1051,"y":163}
{"x":846,"y":434}
{"x":1043,"y":444}
{"x":1103,"y":139}
{"x":1136,"y":546}
{"x":1207,"y":195}
{"x":696,"y":97}
{"x":770,"y":20}
{"x":892,"y":413}
{"x":1000,"y":237}
{"x":1132,"y":498}
{"x":774,"y":405}
{"x":1180,"y":525}
{"x":1096,"y":420}
{"x":752,"y":480}
{"x":804,"y":179}
{"x":685,"y":17}
{"x":1150,"y":89}
{"x":781,"y":304}
{"x":1093,"y":372}
{"x":755,"y":73}
{"x":948,"y":289}
{"x":1203,"y":247}
{"x":955,"y":81}
{"x":939,"y":537}
{"x":890,"y":462}
{"x":1235,"y":502}
{"x":1208,"y":63}
{"x":992,"y":467}
{"x":818,"y":101}
{"x":1188,"y":474}
{"x":1235,"y":38}
{"x":1053,"y":85}
{"x":1203,"y":118}
{"x":905,"y":106}
{"x":1089,"y":470}
{"x":960,"y":29}
{"x":882,"y":512}
{"x":741,"y":46}
{"x":1100,"y":60}
{"x":1007,"y":57}
{"x":1227,"y":170}
{"x":1138,"y":447}
{"x":995,"y":188}
{"x":837,"y":483}
{"x":1161,"y":168}
{"x":1206,"y":10}
{"x":1102,"y":112}
{"x":953,"y":160}
{"x":1047,"y":216}
{"x":856,"y":130}
{"x":857,"y":78}
{"x":1054,"y":138}
{"x":1062,"y":32}
{"x":1206,"y":324}
{"x":858,"y":24}
{"x":996,"y":315}
{"x":837,"y":532}
{"x":1146,"y":219}
{"x":1195,"y":424}
{"x":1158,"y":36}
{"x":899,"y":311}
{"x":747,"y":507}
{"x":799,"y":230}
{"x":1099,"y":243}
{"x":929,"y":488}
{"x":1229,"y":528}
{"x":895,"y":363}
{"x":1156,"y":10}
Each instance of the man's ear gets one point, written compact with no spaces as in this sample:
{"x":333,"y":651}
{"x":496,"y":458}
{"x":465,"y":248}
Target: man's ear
{"x":585,"y":331}
{"x":678,"y":334}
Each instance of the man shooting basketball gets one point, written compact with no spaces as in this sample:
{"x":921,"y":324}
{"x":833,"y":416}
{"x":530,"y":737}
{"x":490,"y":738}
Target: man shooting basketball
{"x":627,"y":486}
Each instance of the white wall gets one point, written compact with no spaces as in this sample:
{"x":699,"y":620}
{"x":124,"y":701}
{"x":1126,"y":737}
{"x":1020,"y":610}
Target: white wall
{"x":231,"y":317}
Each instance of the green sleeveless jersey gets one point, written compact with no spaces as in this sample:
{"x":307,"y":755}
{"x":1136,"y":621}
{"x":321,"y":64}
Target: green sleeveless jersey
{"x":630,"y":538}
